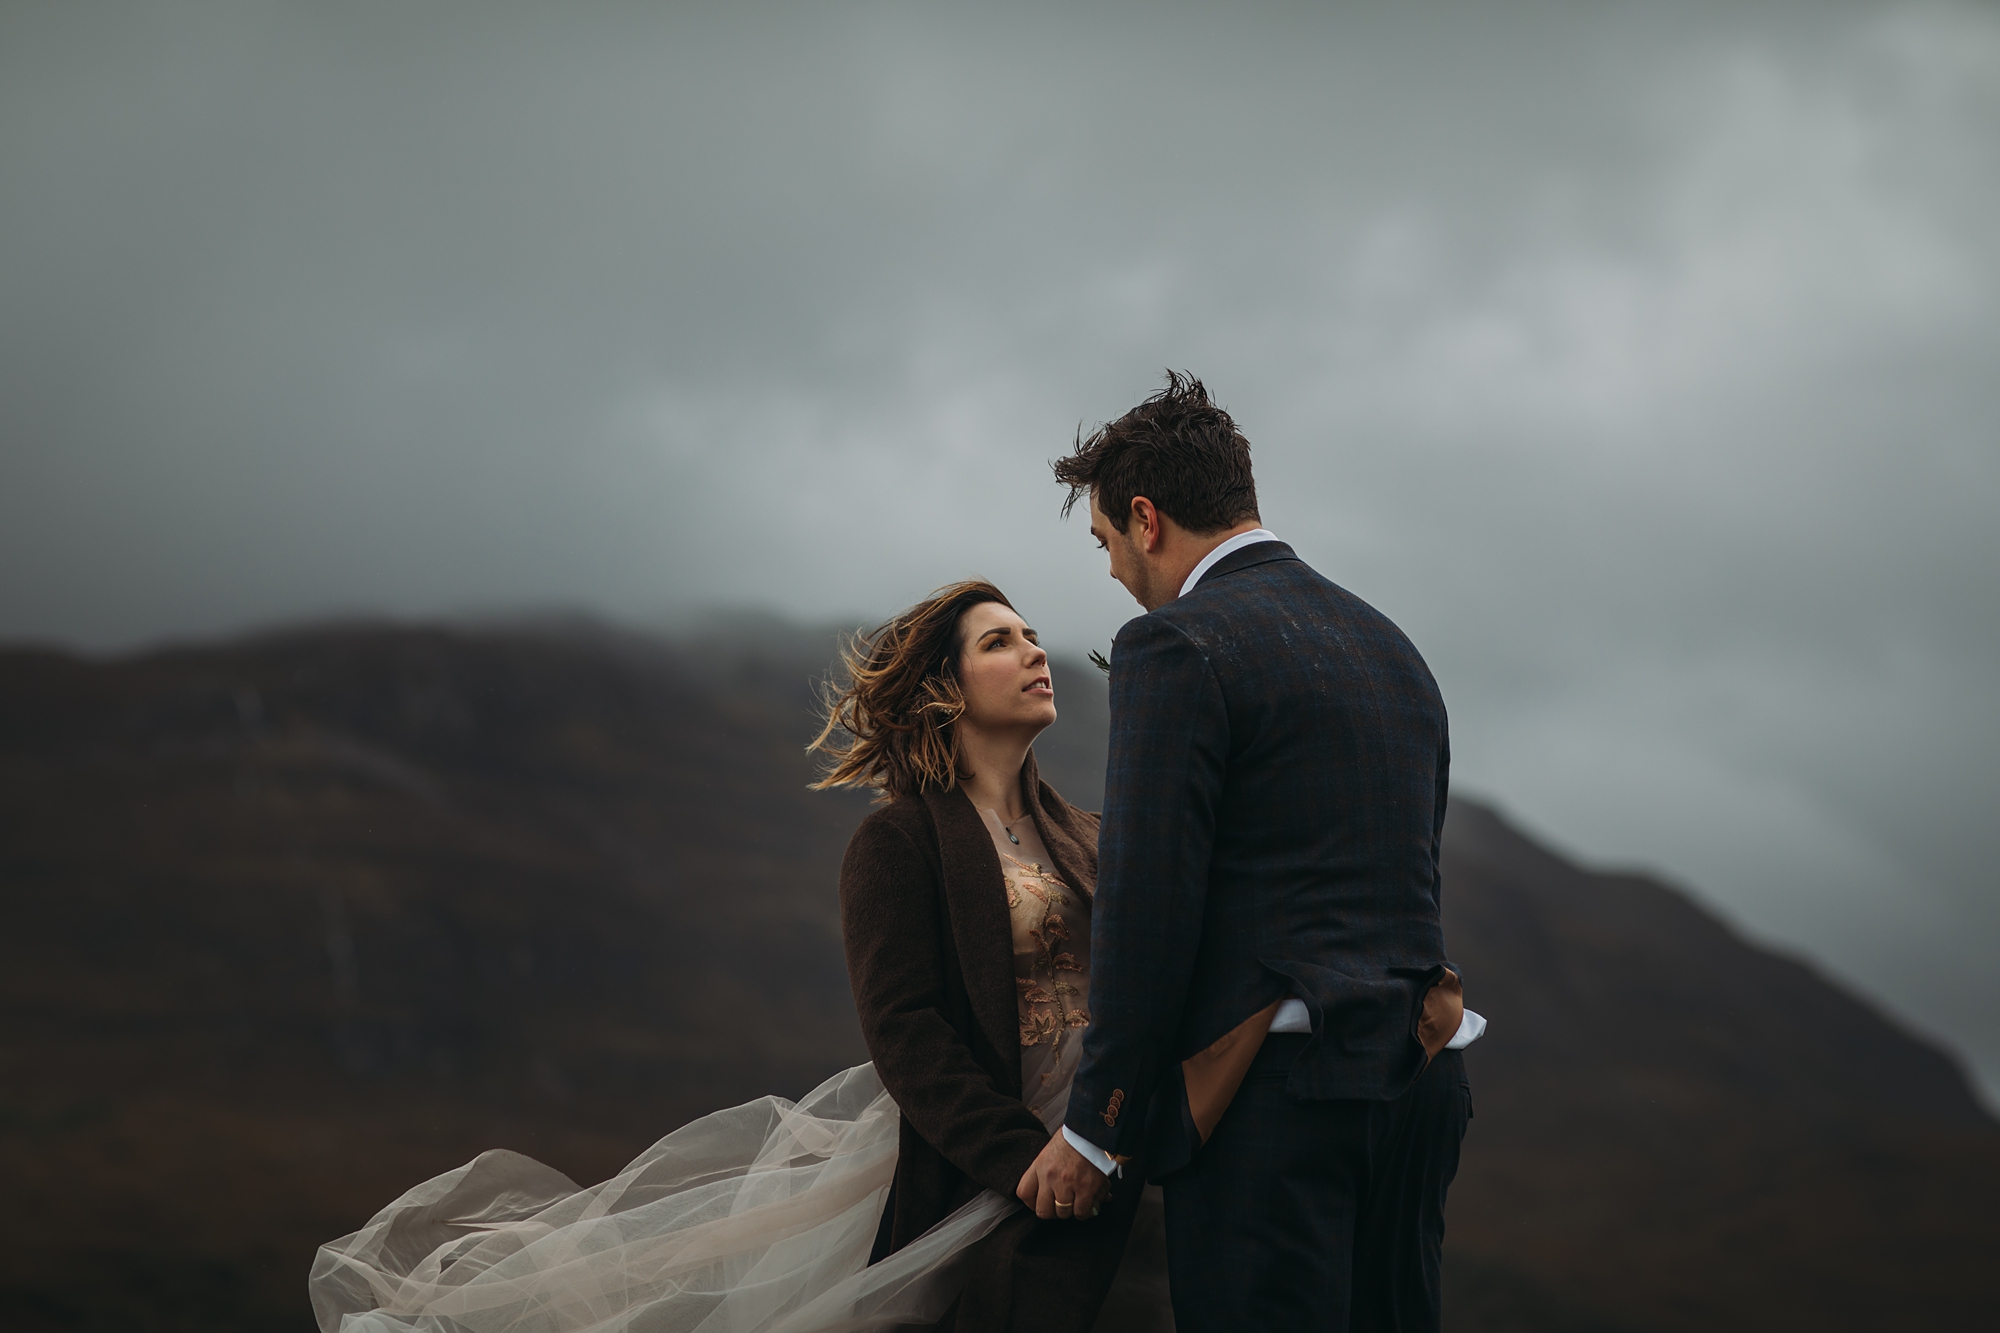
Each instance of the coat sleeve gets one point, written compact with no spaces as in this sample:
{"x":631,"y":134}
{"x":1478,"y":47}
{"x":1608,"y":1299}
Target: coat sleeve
{"x":1169,"y":751}
{"x":1437,"y":835}
{"x":897,"y":960}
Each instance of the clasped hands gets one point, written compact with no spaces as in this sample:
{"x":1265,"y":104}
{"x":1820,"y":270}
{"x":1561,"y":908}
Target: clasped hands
{"x":1061,"y":1183}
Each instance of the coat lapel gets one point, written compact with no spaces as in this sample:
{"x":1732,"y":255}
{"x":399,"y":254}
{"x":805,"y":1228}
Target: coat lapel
{"x":1070,"y":836}
{"x":975,"y":895}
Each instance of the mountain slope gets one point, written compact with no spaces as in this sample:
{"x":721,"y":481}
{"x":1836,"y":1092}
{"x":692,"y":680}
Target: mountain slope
{"x":298,"y":921}
{"x":1675,"y":1128}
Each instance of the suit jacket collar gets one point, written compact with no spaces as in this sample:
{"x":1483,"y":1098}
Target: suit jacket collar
{"x":976,"y":898}
{"x":1226,"y":547}
{"x":1259,"y":554}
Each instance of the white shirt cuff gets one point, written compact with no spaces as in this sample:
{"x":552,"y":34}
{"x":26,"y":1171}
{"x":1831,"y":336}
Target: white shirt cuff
{"x":1093,"y":1154}
{"x":1292,"y":1017}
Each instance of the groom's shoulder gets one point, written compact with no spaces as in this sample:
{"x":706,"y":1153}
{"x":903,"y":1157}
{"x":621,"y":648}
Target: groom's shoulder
{"x":1258,"y":614}
{"x":1238,"y":601}
{"x":1279,"y":590}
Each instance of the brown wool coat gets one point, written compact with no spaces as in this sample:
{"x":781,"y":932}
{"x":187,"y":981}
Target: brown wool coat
{"x":930,"y":956}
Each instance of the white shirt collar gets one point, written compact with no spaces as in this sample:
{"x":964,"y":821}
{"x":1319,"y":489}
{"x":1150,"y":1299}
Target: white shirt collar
{"x":1236,"y":543}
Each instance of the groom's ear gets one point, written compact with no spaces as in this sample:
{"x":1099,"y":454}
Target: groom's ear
{"x":1147,"y":515}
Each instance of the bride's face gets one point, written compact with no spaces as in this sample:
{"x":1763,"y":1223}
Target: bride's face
{"x":1003,"y":671}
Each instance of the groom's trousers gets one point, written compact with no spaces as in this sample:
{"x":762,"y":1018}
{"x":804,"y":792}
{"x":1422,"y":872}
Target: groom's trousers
{"x":1317,"y":1214}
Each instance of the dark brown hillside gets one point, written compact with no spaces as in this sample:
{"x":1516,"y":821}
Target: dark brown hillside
{"x":1609,"y":981}
{"x":296,"y":922}
{"x":1676,"y":1129}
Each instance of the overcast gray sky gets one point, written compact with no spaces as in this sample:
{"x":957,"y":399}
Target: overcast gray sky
{"x":1640,"y":361}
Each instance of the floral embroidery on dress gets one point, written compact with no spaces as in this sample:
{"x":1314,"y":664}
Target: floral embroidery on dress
{"x":1051,"y":1003}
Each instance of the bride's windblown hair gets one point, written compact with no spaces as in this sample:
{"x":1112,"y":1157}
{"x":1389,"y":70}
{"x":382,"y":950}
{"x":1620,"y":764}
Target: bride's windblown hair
{"x":890,"y":726}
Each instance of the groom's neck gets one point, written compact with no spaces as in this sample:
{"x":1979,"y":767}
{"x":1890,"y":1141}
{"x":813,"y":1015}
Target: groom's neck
{"x":1179,"y":552}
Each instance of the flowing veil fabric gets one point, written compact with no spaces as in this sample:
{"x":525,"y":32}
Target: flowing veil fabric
{"x":757,"y":1219}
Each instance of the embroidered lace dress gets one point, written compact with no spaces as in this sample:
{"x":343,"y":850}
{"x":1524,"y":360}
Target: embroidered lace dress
{"x":1051,"y":923}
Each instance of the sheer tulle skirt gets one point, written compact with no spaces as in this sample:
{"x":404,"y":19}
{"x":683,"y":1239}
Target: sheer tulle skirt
{"x":758,"y":1218}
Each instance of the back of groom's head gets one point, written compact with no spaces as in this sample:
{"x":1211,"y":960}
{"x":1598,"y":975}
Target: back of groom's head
{"x":1178,"y":449}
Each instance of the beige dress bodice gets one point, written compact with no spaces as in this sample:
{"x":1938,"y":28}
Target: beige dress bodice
{"x":1051,"y":928}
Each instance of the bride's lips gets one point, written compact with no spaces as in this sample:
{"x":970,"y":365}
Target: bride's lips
{"x":1039,"y":685}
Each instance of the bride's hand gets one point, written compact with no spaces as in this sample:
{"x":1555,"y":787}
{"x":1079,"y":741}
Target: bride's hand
{"x":1061,"y":1184}
{"x":1030,"y":1187}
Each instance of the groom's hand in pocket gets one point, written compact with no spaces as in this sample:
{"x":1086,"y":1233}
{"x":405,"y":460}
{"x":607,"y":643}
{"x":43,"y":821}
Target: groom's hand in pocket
{"x":1061,"y":1184}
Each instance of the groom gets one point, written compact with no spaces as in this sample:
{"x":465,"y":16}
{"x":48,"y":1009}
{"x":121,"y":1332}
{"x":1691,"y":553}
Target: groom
{"x":1276,"y":1026}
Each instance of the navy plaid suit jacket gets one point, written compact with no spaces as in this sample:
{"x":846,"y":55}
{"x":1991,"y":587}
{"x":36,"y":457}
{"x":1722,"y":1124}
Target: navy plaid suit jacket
{"x":1273,"y":804}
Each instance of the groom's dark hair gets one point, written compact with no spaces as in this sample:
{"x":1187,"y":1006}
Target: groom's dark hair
{"x":1178,"y":449}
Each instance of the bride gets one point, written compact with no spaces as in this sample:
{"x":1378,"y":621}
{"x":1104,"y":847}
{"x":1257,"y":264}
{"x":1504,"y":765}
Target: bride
{"x":887,"y":1196}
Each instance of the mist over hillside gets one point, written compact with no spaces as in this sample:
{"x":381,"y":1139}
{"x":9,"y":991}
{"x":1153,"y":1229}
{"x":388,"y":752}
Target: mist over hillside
{"x":300,"y":920}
